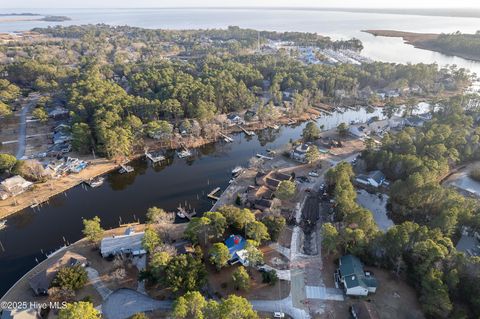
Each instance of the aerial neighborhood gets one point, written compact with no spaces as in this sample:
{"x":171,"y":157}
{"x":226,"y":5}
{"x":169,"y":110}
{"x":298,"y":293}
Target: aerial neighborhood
{"x":233,"y":173}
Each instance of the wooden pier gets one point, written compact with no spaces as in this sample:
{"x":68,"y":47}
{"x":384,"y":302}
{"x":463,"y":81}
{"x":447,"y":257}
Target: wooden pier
{"x":264,"y":157}
{"x":212,"y":195}
{"x":227,"y":138}
{"x":154,"y":159}
{"x":249,"y":133}
{"x":182,"y":213}
{"x":126,"y":169}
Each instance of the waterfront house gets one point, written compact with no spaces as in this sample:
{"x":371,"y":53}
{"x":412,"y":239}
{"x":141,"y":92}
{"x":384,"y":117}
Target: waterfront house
{"x":128,"y":243}
{"x":299,"y":153}
{"x":355,"y":281}
{"x":14,"y":186}
{"x":41,"y":281}
{"x":373,"y":178}
{"x":235,"y":243}
{"x":234,"y":119}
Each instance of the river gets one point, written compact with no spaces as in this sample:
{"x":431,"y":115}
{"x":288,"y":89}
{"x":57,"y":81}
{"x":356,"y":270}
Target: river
{"x":123,"y":198}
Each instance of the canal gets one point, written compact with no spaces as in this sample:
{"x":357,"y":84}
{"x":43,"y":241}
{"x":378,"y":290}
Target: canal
{"x":33,"y":233}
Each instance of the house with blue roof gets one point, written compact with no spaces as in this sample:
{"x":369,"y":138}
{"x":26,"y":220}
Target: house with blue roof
{"x":236,"y":247}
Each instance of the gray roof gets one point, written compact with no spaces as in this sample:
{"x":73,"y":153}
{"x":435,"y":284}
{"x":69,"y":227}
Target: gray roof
{"x":43,"y":279}
{"x":120,"y":244}
{"x":377,"y":176}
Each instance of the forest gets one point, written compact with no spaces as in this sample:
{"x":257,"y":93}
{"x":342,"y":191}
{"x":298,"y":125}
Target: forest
{"x":428,"y":216}
{"x":122,"y":84}
{"x":458,"y":42}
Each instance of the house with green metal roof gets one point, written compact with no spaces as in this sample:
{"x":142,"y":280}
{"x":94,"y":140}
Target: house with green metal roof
{"x":354,"y":279}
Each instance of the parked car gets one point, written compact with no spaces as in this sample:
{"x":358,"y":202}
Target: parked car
{"x":278,"y":314}
{"x":313,"y":174}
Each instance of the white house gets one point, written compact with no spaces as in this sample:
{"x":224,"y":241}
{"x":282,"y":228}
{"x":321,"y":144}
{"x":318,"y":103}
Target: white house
{"x":130,"y":242}
{"x":355,"y":281}
{"x":373,"y":178}
{"x":14,"y":186}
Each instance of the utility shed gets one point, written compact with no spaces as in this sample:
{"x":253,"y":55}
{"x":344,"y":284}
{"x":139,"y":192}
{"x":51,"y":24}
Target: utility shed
{"x":355,"y":280}
{"x":130,"y":242}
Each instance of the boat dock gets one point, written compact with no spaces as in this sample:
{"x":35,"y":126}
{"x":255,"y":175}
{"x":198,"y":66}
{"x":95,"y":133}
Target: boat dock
{"x":126,"y":169}
{"x":226,"y":138}
{"x":182,"y":213}
{"x":212,"y":195}
{"x":249,"y":133}
{"x":153,"y":158}
{"x":264,"y":157}
{"x":323,"y":110}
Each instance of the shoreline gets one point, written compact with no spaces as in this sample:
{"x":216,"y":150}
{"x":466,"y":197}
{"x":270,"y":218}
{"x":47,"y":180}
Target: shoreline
{"x":42,"y":192}
{"x":22,"y":285}
{"x":421,"y":41}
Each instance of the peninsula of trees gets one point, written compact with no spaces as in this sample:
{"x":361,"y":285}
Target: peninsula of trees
{"x":458,"y":44}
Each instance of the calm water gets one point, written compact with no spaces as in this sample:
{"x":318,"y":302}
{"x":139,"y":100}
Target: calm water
{"x":126,"y":197}
{"x":338,"y":25}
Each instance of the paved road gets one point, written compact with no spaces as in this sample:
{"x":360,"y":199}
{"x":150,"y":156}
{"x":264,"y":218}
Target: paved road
{"x":22,"y":132}
{"x":124,"y":303}
{"x":284,"y":305}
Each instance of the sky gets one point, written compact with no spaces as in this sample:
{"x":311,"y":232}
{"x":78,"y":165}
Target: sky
{"x":239,"y":3}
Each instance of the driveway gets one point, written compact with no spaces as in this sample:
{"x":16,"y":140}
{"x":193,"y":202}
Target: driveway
{"x":98,"y":283}
{"x":124,"y":303}
{"x":22,"y":132}
{"x":283,"y":305}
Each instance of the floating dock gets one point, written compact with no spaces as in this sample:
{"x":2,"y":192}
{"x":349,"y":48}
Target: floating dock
{"x":153,"y":158}
{"x":212,"y":195}
{"x":125,"y":169}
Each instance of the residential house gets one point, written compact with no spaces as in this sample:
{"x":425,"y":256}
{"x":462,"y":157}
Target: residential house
{"x":14,"y":186}
{"x":234,"y":119}
{"x":414,"y":121}
{"x":41,"y":281}
{"x":299,"y":153}
{"x":373,"y":178}
{"x":355,"y":281}
{"x":128,"y":243}
{"x":235,"y":244}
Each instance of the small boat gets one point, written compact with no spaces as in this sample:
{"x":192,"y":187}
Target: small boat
{"x":237,"y":170}
{"x":184,"y":153}
{"x":95,"y":182}
{"x":3,"y":224}
{"x":231,"y":181}
{"x":270,"y":151}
